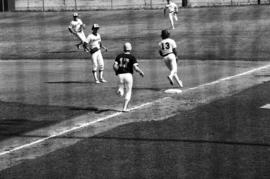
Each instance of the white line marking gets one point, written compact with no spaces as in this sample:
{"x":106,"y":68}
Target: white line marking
{"x":134,"y":108}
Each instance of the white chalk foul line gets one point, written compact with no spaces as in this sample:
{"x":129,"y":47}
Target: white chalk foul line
{"x":131,"y":109}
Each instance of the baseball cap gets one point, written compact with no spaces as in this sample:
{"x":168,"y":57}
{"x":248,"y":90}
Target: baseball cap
{"x":95,"y":26}
{"x":75,"y":14}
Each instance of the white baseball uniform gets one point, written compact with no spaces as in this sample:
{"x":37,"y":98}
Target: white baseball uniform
{"x":97,"y":58}
{"x":76,"y":26}
{"x":173,"y":9}
{"x":166,"y":46}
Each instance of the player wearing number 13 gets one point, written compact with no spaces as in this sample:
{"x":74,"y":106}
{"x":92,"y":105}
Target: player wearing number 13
{"x":169,"y":54}
{"x":123,"y":67}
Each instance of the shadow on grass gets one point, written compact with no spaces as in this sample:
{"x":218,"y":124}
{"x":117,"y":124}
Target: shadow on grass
{"x":16,"y":119}
{"x":70,"y":82}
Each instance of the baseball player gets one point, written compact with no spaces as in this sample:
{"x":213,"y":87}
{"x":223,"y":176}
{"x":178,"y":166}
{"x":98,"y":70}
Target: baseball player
{"x":169,"y":54}
{"x":173,"y":10}
{"x":93,"y":45}
{"x":123,"y":67}
{"x":76,"y":27}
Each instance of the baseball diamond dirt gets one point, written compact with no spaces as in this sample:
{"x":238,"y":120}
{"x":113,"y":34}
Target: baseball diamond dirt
{"x":55,"y":122}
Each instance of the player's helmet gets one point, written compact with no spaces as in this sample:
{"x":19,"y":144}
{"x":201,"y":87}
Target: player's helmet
{"x":127,"y":46}
{"x":165,"y":34}
{"x":95,"y":26}
{"x":75,"y":14}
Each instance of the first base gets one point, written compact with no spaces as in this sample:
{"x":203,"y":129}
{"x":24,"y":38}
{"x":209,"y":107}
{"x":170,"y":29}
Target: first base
{"x":173,"y":91}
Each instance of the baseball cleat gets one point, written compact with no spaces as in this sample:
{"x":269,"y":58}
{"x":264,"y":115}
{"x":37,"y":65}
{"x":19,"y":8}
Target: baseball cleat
{"x":181,"y":84}
{"x":125,"y":110}
{"x":103,"y":81}
{"x":97,"y":82}
{"x":170,"y":80}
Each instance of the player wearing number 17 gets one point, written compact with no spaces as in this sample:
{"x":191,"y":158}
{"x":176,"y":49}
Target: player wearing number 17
{"x":169,"y":54}
{"x":123,"y":67}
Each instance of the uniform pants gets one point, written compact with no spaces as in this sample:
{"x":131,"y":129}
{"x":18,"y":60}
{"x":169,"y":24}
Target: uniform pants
{"x":172,"y":16}
{"x":81,"y":36}
{"x":125,"y":85}
{"x":97,"y":60}
{"x":170,"y":62}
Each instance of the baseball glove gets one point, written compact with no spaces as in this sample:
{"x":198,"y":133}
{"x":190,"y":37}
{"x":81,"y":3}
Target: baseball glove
{"x":93,"y":50}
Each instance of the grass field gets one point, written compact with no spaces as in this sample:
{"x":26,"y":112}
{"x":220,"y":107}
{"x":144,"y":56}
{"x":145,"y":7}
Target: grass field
{"x":56,"y":123}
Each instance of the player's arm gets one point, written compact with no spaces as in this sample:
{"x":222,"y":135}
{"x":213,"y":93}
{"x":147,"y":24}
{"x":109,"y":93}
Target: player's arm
{"x":164,"y":11}
{"x":176,"y":9}
{"x":85,"y":44}
{"x":102,"y":46}
{"x":160,"y":53}
{"x":137,"y":69}
{"x":175,"y":53}
{"x":116,"y":66}
{"x":71,"y":30}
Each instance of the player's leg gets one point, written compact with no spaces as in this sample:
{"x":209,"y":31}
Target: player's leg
{"x":128,"y":90}
{"x":79,"y":37}
{"x":101,"y":66}
{"x":171,"y":19}
{"x":82,"y":38}
{"x":167,"y":62}
{"x":120,"y":90}
{"x":174,"y":70}
{"x":95,"y":67}
{"x":175,"y":17}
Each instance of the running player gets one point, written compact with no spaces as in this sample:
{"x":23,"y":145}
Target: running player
{"x":173,"y":10}
{"x":169,"y":54}
{"x":123,"y":67}
{"x":94,"y":42}
{"x":76,"y":28}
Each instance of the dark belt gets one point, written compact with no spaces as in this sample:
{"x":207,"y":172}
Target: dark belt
{"x":167,"y":54}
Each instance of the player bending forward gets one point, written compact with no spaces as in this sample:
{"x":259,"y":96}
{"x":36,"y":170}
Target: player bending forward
{"x":169,"y":54}
{"x":94,"y":42}
{"x":173,"y":10}
{"x":76,"y":28}
{"x":123,"y":67}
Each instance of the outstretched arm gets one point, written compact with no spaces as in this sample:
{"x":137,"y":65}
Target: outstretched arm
{"x":70,"y":30}
{"x":137,"y":69}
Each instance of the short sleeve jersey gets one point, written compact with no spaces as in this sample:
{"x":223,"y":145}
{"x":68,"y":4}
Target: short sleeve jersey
{"x":76,"y":25}
{"x":172,"y":7}
{"x":125,"y":63}
{"x":94,"y":40}
{"x":166,"y":46}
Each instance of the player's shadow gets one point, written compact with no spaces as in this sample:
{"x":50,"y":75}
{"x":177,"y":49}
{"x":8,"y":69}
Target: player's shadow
{"x":94,"y":109}
{"x":69,"y":82}
{"x":64,"y":51}
{"x":145,"y":88}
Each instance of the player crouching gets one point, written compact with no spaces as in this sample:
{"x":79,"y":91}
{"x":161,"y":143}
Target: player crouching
{"x":169,"y":54}
{"x":123,"y":67}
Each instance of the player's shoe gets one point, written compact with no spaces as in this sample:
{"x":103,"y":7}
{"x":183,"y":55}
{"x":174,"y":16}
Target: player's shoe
{"x":170,"y":80}
{"x":181,"y":84}
{"x":125,"y":110}
{"x":103,"y":81}
{"x":120,"y":92}
{"x":97,"y":81}
{"x":78,"y":46}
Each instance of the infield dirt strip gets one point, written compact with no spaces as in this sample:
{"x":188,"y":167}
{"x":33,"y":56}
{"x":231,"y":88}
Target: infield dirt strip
{"x":203,"y":85}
